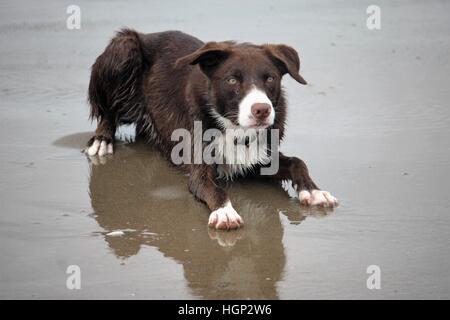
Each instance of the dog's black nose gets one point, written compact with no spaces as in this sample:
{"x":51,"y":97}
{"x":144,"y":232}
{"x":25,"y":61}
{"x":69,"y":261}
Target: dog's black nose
{"x":261,"y":110}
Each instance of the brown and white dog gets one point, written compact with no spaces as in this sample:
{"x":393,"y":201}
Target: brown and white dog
{"x":165,"y":81}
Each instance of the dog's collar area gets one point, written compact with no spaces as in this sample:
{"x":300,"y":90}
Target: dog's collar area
{"x":244,"y":140}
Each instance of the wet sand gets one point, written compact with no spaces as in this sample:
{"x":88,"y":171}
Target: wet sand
{"x":373,"y":126}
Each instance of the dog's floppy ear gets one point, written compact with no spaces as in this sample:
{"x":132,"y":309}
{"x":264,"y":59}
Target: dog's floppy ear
{"x":208,"y":57}
{"x":286,"y":59}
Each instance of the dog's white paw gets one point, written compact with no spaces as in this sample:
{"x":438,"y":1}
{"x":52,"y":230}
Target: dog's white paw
{"x":225,"y":218}
{"x":317,"y":198}
{"x":99,"y":147}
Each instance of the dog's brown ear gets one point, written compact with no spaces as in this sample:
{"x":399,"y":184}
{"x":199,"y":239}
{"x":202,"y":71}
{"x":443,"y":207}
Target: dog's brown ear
{"x":286,"y":59}
{"x":208,"y":57}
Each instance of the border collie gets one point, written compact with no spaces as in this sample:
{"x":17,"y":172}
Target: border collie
{"x":167,"y":81}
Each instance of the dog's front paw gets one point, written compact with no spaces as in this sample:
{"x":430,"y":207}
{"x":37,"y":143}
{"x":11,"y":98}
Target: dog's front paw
{"x":100,"y":146}
{"x":317,"y":198}
{"x":225,"y":218}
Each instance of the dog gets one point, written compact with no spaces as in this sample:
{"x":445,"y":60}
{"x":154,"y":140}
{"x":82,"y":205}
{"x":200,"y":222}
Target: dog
{"x":167,"y":81}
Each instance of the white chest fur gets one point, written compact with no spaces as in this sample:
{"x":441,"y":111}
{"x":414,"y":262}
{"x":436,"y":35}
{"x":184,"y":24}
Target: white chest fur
{"x":239,"y":158}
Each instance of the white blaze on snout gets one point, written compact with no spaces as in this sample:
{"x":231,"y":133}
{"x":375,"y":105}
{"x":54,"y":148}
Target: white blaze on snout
{"x":255,"y":95}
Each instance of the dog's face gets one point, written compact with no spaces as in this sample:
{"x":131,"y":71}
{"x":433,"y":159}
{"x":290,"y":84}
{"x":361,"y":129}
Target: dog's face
{"x":245,"y":79}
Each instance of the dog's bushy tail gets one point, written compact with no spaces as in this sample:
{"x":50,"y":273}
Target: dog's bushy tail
{"x":115,"y":87}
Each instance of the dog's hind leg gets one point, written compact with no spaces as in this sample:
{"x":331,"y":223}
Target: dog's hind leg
{"x":103,"y":140}
{"x":115,"y":89}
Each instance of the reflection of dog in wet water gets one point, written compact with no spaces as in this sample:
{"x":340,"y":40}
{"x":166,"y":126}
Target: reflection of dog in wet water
{"x":166,"y":81}
{"x":138,"y":192}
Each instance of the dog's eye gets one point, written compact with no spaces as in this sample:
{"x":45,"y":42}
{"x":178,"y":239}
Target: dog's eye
{"x":270,"y":79}
{"x":232,"y":80}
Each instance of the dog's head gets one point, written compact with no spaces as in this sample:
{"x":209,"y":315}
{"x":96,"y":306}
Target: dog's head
{"x":245,"y":79}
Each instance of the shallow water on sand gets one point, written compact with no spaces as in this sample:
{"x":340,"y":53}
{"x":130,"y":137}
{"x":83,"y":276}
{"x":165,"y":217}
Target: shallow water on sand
{"x":373,"y":126}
